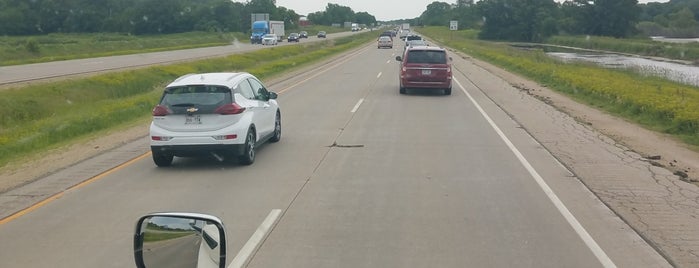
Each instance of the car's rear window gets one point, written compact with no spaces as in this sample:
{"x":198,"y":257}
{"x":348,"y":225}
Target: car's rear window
{"x":205,"y":98}
{"x":427,"y":56}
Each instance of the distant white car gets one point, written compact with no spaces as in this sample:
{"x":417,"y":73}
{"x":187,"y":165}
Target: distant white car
{"x":214,"y":114}
{"x":269,"y":39}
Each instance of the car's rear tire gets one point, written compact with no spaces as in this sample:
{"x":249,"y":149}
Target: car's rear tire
{"x":248,"y":156}
{"x":401,"y":90}
{"x":162,"y":159}
{"x":277,"y":128}
{"x":447,"y":91}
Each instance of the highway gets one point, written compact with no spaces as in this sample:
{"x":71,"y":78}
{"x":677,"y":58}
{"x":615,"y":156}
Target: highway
{"x":362,"y":177}
{"x":10,"y":75}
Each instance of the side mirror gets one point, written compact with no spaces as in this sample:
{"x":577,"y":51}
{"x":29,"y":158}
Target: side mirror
{"x":398,"y":58}
{"x":272,"y":95}
{"x":180,"y":240}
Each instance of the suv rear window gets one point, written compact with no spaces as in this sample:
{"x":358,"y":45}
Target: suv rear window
{"x":427,"y":56}
{"x":206,"y":98}
{"x":413,"y":37}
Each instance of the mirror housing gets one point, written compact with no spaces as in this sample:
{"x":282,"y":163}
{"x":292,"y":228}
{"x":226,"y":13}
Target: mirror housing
{"x":173,"y":239}
{"x":272,"y":95}
{"x":398,"y":58}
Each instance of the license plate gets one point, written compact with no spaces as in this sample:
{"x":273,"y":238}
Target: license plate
{"x":426,"y":72}
{"x":192,"y":120}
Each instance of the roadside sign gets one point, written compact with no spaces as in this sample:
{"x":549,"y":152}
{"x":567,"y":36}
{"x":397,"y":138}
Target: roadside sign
{"x":454,"y":25}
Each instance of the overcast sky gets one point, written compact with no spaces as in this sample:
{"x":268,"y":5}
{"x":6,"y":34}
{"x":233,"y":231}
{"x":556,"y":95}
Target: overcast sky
{"x":383,"y":10}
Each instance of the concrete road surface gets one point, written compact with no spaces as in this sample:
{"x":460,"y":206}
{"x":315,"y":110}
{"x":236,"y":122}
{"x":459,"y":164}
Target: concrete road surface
{"x":363,"y":177}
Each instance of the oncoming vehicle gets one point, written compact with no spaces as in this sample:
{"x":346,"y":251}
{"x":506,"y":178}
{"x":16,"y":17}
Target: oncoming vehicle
{"x":385,"y":41}
{"x":269,"y":39}
{"x":219,"y":114}
{"x":293,"y":37}
{"x":321,"y":34}
{"x":425,"y":67}
{"x":303,"y":34}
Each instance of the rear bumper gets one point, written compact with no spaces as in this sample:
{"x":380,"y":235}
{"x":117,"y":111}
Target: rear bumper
{"x":419,"y":84}
{"x":198,"y":150}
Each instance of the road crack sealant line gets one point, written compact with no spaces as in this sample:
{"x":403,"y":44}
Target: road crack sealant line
{"x":645,"y":238}
{"x":282,"y":213}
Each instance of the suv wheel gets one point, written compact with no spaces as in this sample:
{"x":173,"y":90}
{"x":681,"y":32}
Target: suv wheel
{"x":401,"y":90}
{"x":162,"y":159}
{"x":248,"y":156}
{"x":447,"y":91}
{"x":277,"y":128}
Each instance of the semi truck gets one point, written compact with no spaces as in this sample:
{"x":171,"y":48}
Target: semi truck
{"x":262,"y":27}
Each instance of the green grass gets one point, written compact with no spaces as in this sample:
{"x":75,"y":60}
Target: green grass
{"x":52,"y":47}
{"x":43,"y":116}
{"x":652,"y":102}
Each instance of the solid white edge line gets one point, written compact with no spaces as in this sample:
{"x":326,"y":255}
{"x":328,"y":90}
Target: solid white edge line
{"x":356,"y":106}
{"x":254,"y":242}
{"x":579,"y":229}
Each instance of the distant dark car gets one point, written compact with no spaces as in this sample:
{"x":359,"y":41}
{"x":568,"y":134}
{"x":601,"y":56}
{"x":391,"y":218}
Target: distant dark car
{"x":293,"y":37}
{"x":425,"y":67}
{"x":303,"y":34}
{"x":413,"y":37}
{"x":321,"y":34}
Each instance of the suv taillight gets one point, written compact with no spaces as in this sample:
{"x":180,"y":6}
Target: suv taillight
{"x":231,"y":108}
{"x":161,"y":110}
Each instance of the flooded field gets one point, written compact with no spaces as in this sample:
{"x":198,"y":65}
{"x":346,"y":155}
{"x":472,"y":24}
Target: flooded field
{"x":682,"y":73}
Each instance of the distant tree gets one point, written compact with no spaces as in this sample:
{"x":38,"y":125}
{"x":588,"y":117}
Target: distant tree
{"x":466,"y":13}
{"x":339,"y":14}
{"x":683,"y":24}
{"x":319,"y":18}
{"x":364,"y":18}
{"x":518,"y":20}
{"x":616,"y":18}
{"x":437,"y":14}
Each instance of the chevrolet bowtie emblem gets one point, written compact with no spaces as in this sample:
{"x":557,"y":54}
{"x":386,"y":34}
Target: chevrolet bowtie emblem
{"x":191,"y":110}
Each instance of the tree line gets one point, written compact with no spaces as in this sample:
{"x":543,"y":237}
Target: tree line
{"x":22,"y":17}
{"x":535,"y":20}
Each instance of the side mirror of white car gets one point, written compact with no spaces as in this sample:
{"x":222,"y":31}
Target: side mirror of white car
{"x":175,"y":239}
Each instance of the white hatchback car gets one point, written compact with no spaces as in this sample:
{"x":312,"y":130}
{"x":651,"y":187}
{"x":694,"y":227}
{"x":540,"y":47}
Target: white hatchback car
{"x":269,"y":39}
{"x":219,"y":114}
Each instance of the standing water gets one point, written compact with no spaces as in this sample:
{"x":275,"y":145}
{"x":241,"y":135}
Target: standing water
{"x":682,"y":73}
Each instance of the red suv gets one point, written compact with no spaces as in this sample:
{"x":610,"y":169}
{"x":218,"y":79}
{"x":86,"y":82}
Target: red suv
{"x":425,"y":67}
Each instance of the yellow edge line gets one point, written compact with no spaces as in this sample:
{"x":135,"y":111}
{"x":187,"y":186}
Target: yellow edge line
{"x":79,"y":185}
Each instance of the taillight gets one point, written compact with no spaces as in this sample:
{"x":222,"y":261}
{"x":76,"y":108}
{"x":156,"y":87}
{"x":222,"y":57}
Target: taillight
{"x":231,"y":108}
{"x":160,"y":138}
{"x":161,"y":110}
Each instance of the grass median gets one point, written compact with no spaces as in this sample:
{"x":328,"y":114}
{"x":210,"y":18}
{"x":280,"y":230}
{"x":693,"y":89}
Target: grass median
{"x":653,"y":102}
{"x":44,"y":116}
